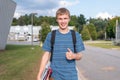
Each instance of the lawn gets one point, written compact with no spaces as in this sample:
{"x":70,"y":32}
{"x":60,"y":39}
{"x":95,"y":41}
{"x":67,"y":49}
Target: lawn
{"x":20,"y":62}
{"x":103,"y":44}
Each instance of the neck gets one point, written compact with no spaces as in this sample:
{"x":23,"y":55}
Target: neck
{"x":64,"y":31}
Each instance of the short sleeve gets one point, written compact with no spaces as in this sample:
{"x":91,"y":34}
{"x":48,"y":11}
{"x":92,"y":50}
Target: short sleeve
{"x":79,"y":43}
{"x":47,"y":44}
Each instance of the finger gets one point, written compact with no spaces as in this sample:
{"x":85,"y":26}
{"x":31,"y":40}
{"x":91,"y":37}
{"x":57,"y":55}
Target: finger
{"x":67,"y":54}
{"x":69,"y":57}
{"x":69,"y":50}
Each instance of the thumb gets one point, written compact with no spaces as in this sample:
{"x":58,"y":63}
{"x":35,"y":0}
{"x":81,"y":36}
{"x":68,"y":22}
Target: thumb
{"x":69,"y":50}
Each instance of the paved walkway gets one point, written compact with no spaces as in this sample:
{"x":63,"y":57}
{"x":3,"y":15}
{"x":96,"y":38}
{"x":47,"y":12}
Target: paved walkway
{"x":99,"y":64}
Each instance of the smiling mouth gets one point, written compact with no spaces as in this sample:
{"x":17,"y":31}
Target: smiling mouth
{"x":63,"y":25}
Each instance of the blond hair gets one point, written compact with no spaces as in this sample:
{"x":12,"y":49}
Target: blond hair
{"x":62,"y":11}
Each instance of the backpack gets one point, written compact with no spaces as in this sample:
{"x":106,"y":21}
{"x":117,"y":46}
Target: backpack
{"x":53,"y":41}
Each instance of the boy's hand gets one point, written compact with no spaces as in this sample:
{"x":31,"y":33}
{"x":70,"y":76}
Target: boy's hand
{"x":69,"y":54}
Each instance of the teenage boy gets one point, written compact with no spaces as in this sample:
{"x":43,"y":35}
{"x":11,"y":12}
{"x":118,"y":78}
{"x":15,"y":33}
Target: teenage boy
{"x":63,"y":60}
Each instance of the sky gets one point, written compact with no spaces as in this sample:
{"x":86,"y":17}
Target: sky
{"x":89,"y":8}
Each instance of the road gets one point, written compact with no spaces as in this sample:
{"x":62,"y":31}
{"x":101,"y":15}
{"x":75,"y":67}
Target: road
{"x":99,"y":64}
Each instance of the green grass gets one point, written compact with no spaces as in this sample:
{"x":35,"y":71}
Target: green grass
{"x":102,"y":44}
{"x":20,"y":62}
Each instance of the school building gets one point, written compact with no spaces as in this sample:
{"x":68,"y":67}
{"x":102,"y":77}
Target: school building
{"x":7,"y":9}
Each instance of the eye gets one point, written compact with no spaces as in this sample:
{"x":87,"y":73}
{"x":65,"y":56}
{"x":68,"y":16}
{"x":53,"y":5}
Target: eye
{"x":59,"y":18}
{"x":65,"y":18}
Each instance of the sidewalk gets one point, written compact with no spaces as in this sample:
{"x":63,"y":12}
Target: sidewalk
{"x":81,"y":77}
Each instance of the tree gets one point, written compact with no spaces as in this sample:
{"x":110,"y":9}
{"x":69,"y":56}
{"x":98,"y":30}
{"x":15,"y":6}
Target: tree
{"x":85,"y":33}
{"x":21,"y":21}
{"x":100,"y":25}
{"x":101,"y":35}
{"x":27,"y":19}
{"x":110,"y":31}
{"x":81,"y":22}
{"x":44,"y":31}
{"x":92,"y":31}
{"x":111,"y":27}
{"x":15,"y":22}
{"x":73,"y":21}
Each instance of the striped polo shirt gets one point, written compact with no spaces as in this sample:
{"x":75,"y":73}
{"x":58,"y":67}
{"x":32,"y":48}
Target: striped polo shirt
{"x":63,"y":69}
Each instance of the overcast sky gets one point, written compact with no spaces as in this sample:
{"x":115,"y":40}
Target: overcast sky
{"x":89,"y":8}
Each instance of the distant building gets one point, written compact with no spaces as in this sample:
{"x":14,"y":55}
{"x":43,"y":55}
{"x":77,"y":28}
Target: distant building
{"x":23,"y":33}
{"x":7,"y":8}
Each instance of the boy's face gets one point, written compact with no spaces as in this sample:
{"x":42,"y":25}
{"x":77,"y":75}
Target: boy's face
{"x":63,"y":21}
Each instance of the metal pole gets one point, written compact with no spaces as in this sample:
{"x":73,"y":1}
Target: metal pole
{"x":32,"y":19}
{"x":32,"y":29}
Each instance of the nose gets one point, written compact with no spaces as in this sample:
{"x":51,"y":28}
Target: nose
{"x":63,"y":20}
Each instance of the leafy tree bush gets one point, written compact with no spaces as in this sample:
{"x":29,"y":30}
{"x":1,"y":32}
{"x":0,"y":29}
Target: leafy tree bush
{"x":44,"y":31}
{"x":92,"y":31}
{"x":85,"y":33}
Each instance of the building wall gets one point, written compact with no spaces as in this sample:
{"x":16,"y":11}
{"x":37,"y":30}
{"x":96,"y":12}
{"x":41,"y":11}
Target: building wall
{"x":7,"y":8}
{"x":16,"y":32}
{"x":23,"y":33}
